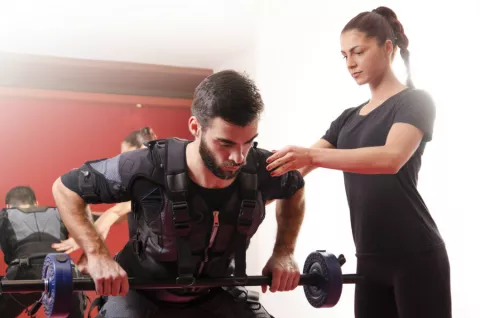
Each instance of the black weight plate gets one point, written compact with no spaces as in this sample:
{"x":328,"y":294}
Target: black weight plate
{"x":57,"y":299}
{"x":328,"y":292}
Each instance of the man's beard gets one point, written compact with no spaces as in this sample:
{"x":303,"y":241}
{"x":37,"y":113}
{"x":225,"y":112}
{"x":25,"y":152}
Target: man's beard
{"x":209,"y":162}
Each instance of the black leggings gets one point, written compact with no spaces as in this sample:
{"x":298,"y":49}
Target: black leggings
{"x":404,"y":287}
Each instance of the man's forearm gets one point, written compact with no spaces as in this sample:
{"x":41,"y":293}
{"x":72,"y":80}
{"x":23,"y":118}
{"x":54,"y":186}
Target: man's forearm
{"x":290,"y":213}
{"x":77,"y":220}
{"x":89,"y":212}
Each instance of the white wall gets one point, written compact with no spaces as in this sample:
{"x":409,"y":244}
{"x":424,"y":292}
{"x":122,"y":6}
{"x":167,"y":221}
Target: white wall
{"x":305,"y":85}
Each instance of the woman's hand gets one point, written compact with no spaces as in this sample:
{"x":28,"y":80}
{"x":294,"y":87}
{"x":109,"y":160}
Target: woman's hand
{"x":287,"y":159}
{"x":67,"y":246}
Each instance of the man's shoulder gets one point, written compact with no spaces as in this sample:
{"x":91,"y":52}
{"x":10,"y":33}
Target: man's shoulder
{"x":138,"y":162}
{"x":134,"y":160}
{"x":137,"y":154}
{"x":261,"y":154}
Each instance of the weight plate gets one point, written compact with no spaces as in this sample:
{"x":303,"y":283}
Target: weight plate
{"x":57,"y":299}
{"x":328,"y":291}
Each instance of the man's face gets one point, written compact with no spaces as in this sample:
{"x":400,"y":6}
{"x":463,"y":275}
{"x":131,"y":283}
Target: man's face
{"x":224,"y":147}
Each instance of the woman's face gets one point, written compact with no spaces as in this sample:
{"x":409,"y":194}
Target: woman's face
{"x":366,"y":61}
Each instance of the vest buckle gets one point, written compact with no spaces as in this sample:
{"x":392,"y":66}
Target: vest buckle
{"x":24,"y":262}
{"x":245,"y":217}
{"x":181,"y":218}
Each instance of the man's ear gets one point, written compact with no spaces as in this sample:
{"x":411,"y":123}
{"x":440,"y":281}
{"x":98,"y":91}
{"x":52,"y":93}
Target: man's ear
{"x":194,"y":126}
{"x":8,"y":206}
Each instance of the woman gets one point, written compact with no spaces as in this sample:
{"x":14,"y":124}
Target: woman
{"x":120,"y":211}
{"x":378,"y":145}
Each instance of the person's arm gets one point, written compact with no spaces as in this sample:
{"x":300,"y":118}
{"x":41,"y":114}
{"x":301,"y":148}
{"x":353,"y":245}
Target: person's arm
{"x":103,"y":181}
{"x":329,"y":140}
{"x":321,"y":144}
{"x":89,"y":212}
{"x":402,"y":142}
{"x":72,"y":208}
{"x":290,"y":213}
{"x":116,"y":214}
{"x":288,"y":192}
{"x":412,"y":123}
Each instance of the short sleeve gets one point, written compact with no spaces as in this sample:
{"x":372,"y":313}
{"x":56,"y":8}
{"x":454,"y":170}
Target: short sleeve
{"x":70,"y":180}
{"x":331,"y":135}
{"x":417,"y":109}
{"x":281,"y":187}
{"x":108,"y":180}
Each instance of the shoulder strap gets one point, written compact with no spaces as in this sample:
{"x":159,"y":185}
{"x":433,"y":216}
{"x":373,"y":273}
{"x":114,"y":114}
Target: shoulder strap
{"x":248,"y":188}
{"x":176,"y":186}
{"x":248,"y":191}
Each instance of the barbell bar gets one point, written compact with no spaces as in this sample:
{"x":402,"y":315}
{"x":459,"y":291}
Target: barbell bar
{"x":87,"y":284}
{"x":322,"y":280}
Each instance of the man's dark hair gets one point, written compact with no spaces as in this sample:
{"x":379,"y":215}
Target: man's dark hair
{"x":229,"y":95}
{"x":20,"y":195}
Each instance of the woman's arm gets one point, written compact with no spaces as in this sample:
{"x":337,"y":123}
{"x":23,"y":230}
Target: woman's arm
{"x":413,"y":122}
{"x":321,"y":144}
{"x":114,"y":215}
{"x":402,"y":142}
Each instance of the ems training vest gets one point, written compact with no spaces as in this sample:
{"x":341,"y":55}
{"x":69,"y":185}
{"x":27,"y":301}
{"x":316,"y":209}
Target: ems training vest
{"x":177,"y":234}
{"x":24,"y":232}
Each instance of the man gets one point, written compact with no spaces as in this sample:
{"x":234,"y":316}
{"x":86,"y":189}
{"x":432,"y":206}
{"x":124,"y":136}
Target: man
{"x":197,"y":205}
{"x":26,"y":233}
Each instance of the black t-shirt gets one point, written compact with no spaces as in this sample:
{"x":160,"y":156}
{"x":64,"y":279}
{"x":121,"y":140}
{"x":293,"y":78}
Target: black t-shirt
{"x":215,"y":199}
{"x":388,"y":214}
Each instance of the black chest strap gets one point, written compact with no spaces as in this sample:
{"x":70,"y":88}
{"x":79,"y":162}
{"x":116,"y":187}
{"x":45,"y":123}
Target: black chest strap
{"x":176,"y":185}
{"x":248,"y":194}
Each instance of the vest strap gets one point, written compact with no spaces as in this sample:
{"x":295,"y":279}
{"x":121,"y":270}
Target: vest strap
{"x":87,"y":186}
{"x":176,"y":185}
{"x":248,"y":190}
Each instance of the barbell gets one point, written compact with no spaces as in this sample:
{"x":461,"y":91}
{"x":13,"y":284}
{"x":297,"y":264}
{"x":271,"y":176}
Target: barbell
{"x":322,"y":281}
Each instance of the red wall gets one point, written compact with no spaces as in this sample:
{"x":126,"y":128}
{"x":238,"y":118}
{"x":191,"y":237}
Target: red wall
{"x":42,"y":139}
